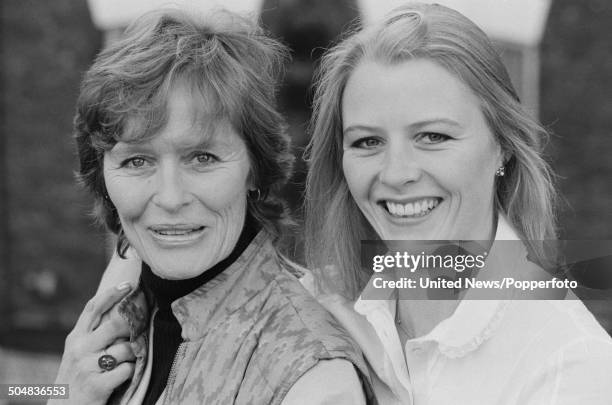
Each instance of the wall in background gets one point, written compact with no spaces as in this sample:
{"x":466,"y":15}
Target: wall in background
{"x":53,"y":256}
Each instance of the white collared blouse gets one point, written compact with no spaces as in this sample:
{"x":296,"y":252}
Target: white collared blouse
{"x":487,"y":351}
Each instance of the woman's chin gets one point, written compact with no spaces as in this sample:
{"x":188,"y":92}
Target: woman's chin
{"x":176,"y":269}
{"x":409,"y":231}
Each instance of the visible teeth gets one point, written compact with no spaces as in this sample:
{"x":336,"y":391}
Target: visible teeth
{"x":176,"y":232}
{"x":418,"y":208}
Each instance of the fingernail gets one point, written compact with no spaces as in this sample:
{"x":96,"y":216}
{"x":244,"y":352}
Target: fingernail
{"x":124,"y":286}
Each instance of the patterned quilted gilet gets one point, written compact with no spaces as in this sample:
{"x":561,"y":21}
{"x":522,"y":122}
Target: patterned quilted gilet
{"x":248,"y":334}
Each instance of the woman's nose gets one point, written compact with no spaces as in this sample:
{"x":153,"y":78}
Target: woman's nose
{"x":171,"y":193}
{"x":400,"y":166}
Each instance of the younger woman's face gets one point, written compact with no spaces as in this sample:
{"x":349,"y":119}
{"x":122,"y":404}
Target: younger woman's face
{"x":181,"y":195}
{"x":419,"y":157}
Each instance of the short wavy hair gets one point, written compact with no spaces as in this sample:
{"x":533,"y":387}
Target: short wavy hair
{"x":526,"y":194}
{"x":225,"y":60}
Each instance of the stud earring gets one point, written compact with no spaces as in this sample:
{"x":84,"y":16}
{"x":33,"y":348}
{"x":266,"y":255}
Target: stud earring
{"x":500,"y":172}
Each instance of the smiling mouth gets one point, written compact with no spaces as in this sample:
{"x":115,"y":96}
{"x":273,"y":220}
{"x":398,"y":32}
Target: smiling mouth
{"x":413,"y":209}
{"x":178,"y":233}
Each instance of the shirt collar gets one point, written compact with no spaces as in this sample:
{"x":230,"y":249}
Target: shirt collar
{"x":474,"y":320}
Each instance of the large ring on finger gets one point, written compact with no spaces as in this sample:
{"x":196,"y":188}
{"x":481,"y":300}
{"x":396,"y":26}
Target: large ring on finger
{"x":107,"y":362}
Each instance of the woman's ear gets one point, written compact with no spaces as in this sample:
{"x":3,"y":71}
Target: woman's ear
{"x":250,"y":182}
{"x":503,"y":156}
{"x":506,"y":156}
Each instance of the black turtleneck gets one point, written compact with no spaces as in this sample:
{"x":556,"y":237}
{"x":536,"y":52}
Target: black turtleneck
{"x":166,"y":329}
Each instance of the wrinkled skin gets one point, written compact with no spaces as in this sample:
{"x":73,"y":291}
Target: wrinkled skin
{"x":99,"y":330}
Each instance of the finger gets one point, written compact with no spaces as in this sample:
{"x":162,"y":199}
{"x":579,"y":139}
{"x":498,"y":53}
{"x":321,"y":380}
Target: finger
{"x":131,"y":253}
{"x":103,"y":382}
{"x":80,"y":345}
{"x":112,"y":379}
{"x":98,"y":305}
{"x":113,"y":328}
{"x":121,"y":352}
{"x":119,"y":270}
{"x":107,"y":299}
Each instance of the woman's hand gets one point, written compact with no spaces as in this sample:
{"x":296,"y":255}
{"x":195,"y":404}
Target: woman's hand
{"x":119,"y":270}
{"x":99,"y":330}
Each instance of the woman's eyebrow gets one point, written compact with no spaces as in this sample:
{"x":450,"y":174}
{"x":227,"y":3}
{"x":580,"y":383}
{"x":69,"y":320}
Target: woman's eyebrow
{"x":430,"y":121}
{"x":203,"y":143}
{"x":360,"y":128}
{"x":129,"y":147}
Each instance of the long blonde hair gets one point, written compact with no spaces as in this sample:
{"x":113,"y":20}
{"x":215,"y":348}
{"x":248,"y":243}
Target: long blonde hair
{"x":526,"y":194}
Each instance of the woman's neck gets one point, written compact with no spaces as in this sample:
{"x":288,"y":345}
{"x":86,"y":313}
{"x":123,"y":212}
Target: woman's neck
{"x":168,"y":291}
{"x":416,"y":318}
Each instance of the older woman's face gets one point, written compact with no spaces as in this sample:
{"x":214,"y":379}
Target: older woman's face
{"x":181,"y":196}
{"x":419,"y":158}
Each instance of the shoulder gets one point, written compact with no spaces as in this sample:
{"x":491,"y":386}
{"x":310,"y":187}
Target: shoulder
{"x":300,"y":340}
{"x":299,"y":316}
{"x":563,"y":322}
{"x":288,"y":313}
{"x":557,"y":339}
{"x":580,"y":333}
{"x":574,"y":357}
{"x":330,"y":381}
{"x":295,"y":298}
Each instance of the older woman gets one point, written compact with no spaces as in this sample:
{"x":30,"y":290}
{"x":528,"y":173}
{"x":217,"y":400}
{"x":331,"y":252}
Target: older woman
{"x":181,"y":144}
{"x":418,"y":134}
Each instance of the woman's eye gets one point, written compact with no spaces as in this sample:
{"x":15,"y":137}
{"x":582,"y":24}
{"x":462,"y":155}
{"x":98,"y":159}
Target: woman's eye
{"x":366,"y":143}
{"x":205,"y":158}
{"x":134,"y":163}
{"x":433,"y":137}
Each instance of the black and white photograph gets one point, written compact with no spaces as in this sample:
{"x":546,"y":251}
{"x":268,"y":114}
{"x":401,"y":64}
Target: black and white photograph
{"x":288,"y":202}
